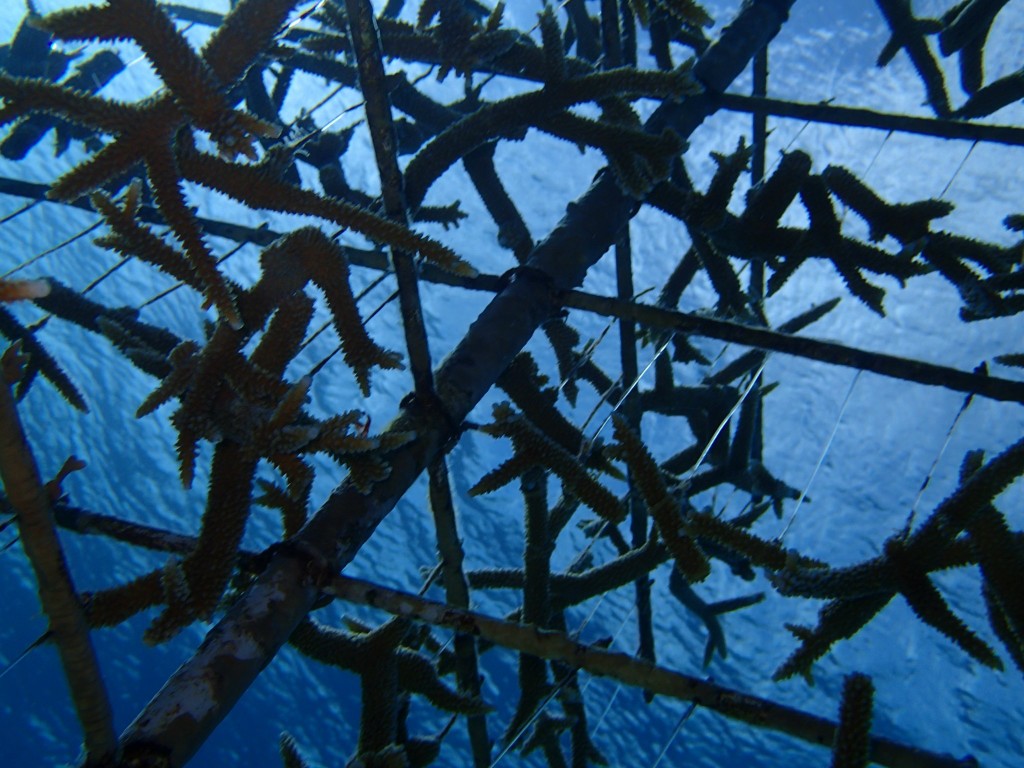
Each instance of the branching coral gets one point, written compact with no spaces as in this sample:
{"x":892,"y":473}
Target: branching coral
{"x":256,"y":393}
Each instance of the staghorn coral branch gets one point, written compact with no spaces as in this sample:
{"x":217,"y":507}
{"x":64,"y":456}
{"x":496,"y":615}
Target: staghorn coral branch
{"x":512,"y":116}
{"x":852,"y":743}
{"x":290,"y":752}
{"x":169,"y":196}
{"x":183,"y":71}
{"x":257,"y":188}
{"x":323,"y":262}
{"x":39,"y":359}
{"x":198,"y":83}
{"x":549,"y":644}
{"x":130,"y":238}
{"x":242,"y":34}
{"x":861,"y":591}
{"x":209,"y":566}
{"x":907,"y":34}
{"x":645,"y":476}
{"x":533,"y":448}
{"x":22,"y":95}
{"x":243,"y":642}
{"x":146,"y":133}
{"x":994,"y":96}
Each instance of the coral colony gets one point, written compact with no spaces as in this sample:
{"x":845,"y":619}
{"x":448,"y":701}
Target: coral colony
{"x":217,"y":123}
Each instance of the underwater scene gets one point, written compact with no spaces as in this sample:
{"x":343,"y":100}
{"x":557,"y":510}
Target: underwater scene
{"x":525,"y":383}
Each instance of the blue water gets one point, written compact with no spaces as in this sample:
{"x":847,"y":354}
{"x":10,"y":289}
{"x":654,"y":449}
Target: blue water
{"x":883,"y":437}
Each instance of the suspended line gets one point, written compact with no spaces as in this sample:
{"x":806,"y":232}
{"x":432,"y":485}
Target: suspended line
{"x":821,"y":457}
{"x":675,"y":732}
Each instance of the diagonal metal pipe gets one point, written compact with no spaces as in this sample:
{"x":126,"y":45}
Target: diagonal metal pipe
{"x":193,"y":701}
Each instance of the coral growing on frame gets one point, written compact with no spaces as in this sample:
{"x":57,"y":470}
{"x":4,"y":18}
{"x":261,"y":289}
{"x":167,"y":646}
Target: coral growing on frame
{"x":288,"y":486}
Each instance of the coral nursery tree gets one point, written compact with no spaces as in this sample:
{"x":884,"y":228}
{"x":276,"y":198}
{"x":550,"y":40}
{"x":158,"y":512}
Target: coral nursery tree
{"x":454,"y":87}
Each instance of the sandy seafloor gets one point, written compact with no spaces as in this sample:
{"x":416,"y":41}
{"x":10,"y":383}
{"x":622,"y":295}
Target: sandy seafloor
{"x":886,"y":437}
